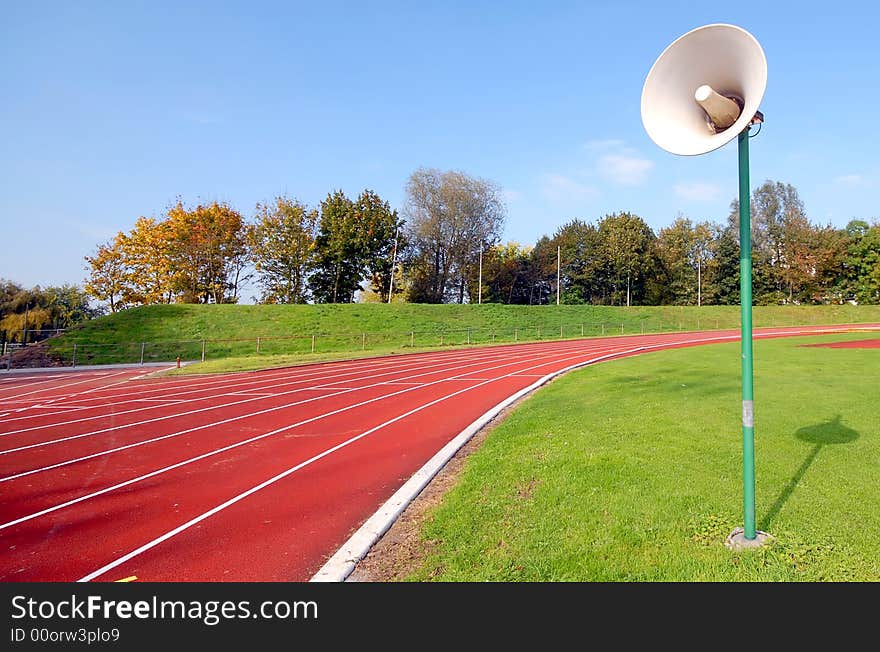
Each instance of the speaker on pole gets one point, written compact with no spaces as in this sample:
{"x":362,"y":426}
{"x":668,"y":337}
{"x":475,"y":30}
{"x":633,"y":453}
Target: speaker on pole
{"x":702,"y":92}
{"x":704,"y":89}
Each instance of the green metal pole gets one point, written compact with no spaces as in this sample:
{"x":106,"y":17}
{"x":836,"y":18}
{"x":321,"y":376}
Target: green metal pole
{"x":745,"y":291}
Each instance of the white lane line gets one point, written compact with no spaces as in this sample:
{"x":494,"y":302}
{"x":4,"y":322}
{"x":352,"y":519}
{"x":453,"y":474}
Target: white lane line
{"x":79,"y":382}
{"x":217,"y":423}
{"x":415,"y":365}
{"x":201,"y":517}
{"x":288,"y":374}
{"x":203,"y":455}
{"x":249,"y":394}
{"x":210,"y":407}
{"x":61,"y":408}
{"x":294,"y":374}
{"x":471,"y":379}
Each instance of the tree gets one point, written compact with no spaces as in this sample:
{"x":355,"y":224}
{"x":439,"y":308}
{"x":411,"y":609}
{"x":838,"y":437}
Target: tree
{"x":69,"y":305}
{"x":147,"y":252}
{"x":107,"y":273}
{"x":208,"y":250}
{"x":675,"y":248}
{"x":505,"y":274}
{"x":581,"y":266}
{"x":451,"y":218}
{"x":860,"y":278}
{"x":282,"y":245}
{"x":355,"y":241}
{"x":627,"y":242}
{"x":23,"y":311}
{"x":381,"y":240}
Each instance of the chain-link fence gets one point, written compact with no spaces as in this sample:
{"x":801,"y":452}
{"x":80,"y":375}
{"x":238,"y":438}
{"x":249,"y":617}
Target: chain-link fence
{"x":63,"y":352}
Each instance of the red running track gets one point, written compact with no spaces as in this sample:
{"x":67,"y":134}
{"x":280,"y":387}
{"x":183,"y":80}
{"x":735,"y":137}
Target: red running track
{"x":261,"y":476}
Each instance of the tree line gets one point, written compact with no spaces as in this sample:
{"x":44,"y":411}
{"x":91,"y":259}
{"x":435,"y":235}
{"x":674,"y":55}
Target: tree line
{"x":621,"y":261}
{"x":28,"y":314}
{"x":204,"y":253}
{"x":446,"y":247}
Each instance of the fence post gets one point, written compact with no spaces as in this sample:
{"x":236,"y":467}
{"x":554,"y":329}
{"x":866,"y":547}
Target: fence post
{"x":560,"y":331}
{"x":313,"y":343}
{"x":363,"y":341}
{"x":582,"y":330}
{"x":203,"y":350}
{"x":621,"y":329}
{"x":258,"y":345}
{"x":469,"y":335}
{"x":143,"y":344}
{"x":412,"y":338}
{"x":74,"y":354}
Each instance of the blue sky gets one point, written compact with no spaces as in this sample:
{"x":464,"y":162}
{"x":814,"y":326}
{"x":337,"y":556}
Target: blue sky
{"x":112,"y":110}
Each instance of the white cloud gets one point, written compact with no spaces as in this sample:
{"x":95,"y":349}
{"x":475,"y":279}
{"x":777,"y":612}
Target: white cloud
{"x":850,"y":180}
{"x":698,"y":190}
{"x":624,"y":169}
{"x":558,"y":187}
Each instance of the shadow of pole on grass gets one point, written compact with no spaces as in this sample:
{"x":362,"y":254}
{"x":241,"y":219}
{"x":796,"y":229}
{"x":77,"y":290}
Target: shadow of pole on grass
{"x":822,"y":434}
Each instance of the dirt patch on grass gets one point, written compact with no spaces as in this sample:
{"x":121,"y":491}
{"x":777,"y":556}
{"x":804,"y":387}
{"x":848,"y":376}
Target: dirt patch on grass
{"x":855,"y":344}
{"x":30,"y":357}
{"x":402,"y":550}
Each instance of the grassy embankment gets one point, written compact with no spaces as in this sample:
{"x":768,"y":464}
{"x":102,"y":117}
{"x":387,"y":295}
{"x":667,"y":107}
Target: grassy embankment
{"x":248,"y":337}
{"x":631,"y":471}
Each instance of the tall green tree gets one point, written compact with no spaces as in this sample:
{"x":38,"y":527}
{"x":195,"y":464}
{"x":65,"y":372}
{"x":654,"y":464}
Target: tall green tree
{"x":337,"y":258}
{"x":627,"y":245}
{"x":859,"y":279}
{"x":383,"y":242}
{"x":355,"y":242}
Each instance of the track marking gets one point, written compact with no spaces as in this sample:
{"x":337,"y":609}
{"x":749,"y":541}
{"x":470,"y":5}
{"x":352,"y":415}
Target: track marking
{"x":416,"y":364}
{"x":469,"y":362}
{"x":241,"y":496}
{"x":79,"y":382}
{"x":229,"y":420}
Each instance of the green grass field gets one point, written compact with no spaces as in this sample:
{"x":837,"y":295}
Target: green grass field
{"x":257,"y":336}
{"x":631,"y":471}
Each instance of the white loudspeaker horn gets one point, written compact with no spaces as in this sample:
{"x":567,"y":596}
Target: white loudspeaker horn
{"x":704,"y":89}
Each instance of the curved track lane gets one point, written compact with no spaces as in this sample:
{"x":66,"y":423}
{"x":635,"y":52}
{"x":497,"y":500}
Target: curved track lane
{"x":244,"y":477}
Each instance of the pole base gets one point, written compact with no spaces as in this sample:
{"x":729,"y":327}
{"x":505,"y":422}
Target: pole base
{"x":736,"y":540}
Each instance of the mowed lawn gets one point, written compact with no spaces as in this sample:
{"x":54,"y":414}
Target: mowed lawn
{"x":631,"y":470}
